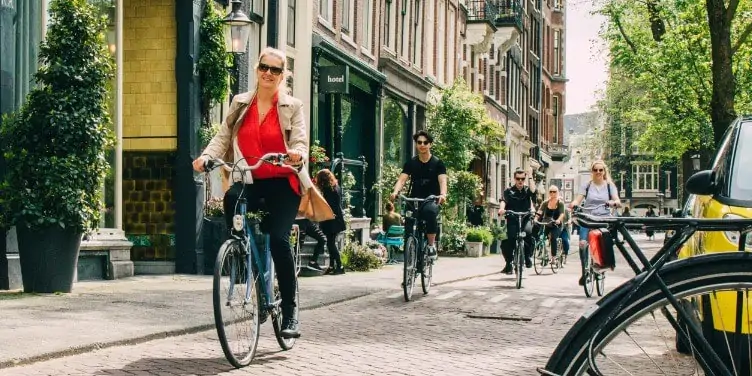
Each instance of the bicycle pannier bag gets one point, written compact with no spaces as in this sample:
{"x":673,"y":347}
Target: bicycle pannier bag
{"x":601,"y":246}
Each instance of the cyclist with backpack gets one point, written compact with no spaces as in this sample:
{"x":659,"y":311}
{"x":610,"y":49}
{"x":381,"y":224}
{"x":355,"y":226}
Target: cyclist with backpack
{"x":597,"y":192}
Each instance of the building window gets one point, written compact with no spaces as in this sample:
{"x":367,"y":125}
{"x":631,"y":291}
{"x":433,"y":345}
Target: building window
{"x":291,"y":68}
{"x":440,"y":65}
{"x":405,"y":30}
{"x":555,"y":110}
{"x":557,"y":5}
{"x":291,"y":23}
{"x":557,"y":51}
{"x":388,"y":24}
{"x":368,"y":25}
{"x":326,"y":9}
{"x":347,"y":17}
{"x":645,"y":177}
{"x":417,"y":45}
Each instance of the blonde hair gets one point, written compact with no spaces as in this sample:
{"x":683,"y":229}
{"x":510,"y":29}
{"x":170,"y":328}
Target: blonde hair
{"x":606,"y":173}
{"x":270,"y":51}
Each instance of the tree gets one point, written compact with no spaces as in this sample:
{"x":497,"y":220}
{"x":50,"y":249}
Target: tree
{"x":663,"y":77}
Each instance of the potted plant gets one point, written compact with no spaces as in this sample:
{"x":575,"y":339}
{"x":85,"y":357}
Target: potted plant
{"x":476,"y":239}
{"x":213,"y":232}
{"x":55,"y":148}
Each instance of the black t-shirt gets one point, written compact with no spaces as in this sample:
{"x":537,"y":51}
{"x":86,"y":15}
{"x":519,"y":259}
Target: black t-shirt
{"x":518,"y":200}
{"x":424,"y":177}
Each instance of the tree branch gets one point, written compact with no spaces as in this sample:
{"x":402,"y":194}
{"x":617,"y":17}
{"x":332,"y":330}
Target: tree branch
{"x":624,"y":34}
{"x":742,"y":38}
{"x":731,"y":10}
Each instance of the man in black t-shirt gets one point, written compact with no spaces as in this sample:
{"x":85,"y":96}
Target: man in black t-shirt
{"x":428,"y":176}
{"x":517,"y":198}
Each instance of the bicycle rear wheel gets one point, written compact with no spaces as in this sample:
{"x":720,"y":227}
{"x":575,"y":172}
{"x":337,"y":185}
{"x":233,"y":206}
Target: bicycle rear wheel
{"x":284,"y":343}
{"x":427,"y":274}
{"x":409,"y":266}
{"x":706,"y":275}
{"x":236,"y":304}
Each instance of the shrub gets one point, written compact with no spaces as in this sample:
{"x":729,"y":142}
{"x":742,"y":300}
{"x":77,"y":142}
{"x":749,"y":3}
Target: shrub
{"x":360,"y":258}
{"x":479,"y":234}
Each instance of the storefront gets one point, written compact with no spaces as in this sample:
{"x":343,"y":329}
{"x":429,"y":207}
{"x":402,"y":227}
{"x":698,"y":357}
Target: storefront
{"x":348,"y":123}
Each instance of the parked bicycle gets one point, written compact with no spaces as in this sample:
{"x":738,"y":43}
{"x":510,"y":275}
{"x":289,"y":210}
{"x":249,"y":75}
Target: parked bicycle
{"x":681,"y":299}
{"x":518,"y":257}
{"x":417,"y":261}
{"x":250,"y":295}
{"x":541,"y":255}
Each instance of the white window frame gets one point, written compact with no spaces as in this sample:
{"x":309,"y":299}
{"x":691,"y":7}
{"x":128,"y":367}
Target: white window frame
{"x":326,"y":10}
{"x":368,"y":25}
{"x":645,"y":177}
{"x":348,"y":18}
{"x":292,"y":7}
{"x":557,"y":5}
{"x":390,"y":24}
{"x":557,"y":51}
{"x":441,"y":66}
{"x":430,"y":34}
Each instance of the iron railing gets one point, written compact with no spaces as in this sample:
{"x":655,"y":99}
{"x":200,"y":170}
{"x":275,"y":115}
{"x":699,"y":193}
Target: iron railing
{"x":502,"y":13}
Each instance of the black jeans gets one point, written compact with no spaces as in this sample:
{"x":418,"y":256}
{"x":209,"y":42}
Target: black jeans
{"x":334,"y":256}
{"x":553,"y":232}
{"x":308,"y":228}
{"x":276,"y":198}
{"x":510,"y":243}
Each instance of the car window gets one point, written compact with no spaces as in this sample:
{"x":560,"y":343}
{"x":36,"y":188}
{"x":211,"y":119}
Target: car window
{"x":689,"y":207}
{"x":741,"y":181}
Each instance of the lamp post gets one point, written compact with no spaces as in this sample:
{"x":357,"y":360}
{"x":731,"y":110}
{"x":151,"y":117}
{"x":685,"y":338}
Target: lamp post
{"x":237,"y":30}
{"x":660,"y":203}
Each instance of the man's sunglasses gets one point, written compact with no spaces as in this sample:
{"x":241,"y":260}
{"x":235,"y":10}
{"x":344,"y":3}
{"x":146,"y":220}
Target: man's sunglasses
{"x":275,"y":70}
{"x":419,"y":142}
{"x":519,"y":179}
{"x":553,"y":191}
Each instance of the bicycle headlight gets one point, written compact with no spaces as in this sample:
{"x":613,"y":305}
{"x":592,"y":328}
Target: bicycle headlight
{"x":237,"y":222}
{"x":408,"y":213}
{"x":733,"y":236}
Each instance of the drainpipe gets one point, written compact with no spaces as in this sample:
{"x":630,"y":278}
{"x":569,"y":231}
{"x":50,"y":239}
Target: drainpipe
{"x":119,"y":116}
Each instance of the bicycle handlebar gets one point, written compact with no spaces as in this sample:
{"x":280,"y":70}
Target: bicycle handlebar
{"x":415,"y":199}
{"x":276,"y":159}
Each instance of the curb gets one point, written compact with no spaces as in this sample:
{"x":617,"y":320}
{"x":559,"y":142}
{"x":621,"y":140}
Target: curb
{"x":180,"y":332}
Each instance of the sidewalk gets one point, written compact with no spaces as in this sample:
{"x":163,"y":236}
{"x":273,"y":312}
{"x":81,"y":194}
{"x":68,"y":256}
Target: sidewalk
{"x":105,"y":313}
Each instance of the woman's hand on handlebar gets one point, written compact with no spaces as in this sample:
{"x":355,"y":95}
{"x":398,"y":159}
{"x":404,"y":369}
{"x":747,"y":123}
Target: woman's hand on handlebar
{"x":293,"y":157}
{"x":198,"y":164}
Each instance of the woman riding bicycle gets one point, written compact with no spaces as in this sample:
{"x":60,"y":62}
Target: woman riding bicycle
{"x":553,"y":211}
{"x":267,"y":120}
{"x":597,"y":192}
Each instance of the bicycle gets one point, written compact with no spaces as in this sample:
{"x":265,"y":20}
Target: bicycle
{"x":257,"y":298}
{"x":666,"y":286}
{"x":594,"y":278}
{"x":416,"y":260}
{"x":541,"y":255}
{"x":518,"y":256}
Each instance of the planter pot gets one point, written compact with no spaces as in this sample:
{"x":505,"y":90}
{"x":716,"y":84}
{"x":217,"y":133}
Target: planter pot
{"x":49,"y":258}
{"x":486,"y":250}
{"x":474,"y":249}
{"x":214,"y":233}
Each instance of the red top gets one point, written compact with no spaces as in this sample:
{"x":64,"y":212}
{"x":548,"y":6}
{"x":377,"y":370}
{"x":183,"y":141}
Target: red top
{"x":258,"y":138}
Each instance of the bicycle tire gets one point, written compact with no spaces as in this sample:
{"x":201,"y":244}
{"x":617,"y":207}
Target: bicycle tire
{"x":408,"y":267}
{"x":227,"y":249}
{"x":682,"y":277}
{"x":427,"y":275}
{"x":588,"y":282}
{"x":284,"y":343}
{"x":519,"y":263}
{"x":600,"y":283}
{"x":539,"y":258}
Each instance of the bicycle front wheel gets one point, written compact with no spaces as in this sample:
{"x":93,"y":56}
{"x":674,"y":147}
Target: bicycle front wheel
{"x":519,"y":263}
{"x":539,"y":257}
{"x":409,"y":266}
{"x":236,"y":304}
{"x":589,"y":275}
{"x":427,"y":274}
{"x":721,"y":282}
{"x":600,"y":283}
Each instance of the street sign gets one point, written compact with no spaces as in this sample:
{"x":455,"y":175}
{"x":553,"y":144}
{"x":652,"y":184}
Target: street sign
{"x":334,"y":79}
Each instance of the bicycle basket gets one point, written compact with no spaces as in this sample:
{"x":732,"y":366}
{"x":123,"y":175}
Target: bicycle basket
{"x":601,"y":246}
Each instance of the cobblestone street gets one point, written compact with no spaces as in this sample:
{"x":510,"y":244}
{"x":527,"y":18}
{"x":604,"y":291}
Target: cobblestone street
{"x":481,"y":326}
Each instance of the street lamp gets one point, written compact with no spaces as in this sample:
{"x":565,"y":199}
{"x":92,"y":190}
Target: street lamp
{"x":660,"y":203}
{"x":696,"y":161}
{"x":240,"y":28}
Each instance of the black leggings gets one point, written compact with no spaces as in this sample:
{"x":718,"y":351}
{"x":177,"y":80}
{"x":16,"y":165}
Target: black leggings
{"x":279,"y":202}
{"x":308,"y":228}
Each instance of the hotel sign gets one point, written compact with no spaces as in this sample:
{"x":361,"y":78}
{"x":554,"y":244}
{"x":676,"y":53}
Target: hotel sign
{"x":334,"y":79}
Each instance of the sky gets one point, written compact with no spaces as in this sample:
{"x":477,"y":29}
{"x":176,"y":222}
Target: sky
{"x":585,"y":65}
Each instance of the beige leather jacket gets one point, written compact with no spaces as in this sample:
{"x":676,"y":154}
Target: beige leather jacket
{"x":290,"y":110}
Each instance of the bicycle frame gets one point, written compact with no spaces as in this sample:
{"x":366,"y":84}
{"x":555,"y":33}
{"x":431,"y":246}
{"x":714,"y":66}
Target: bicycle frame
{"x":264,"y":266}
{"x":685,"y":228}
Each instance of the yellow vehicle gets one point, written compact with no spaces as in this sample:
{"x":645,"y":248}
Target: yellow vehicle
{"x":724,"y":191}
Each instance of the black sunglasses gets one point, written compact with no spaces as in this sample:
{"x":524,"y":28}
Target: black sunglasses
{"x":275,"y":70}
{"x":519,"y":179}
{"x":598,"y":170}
{"x":419,"y":142}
